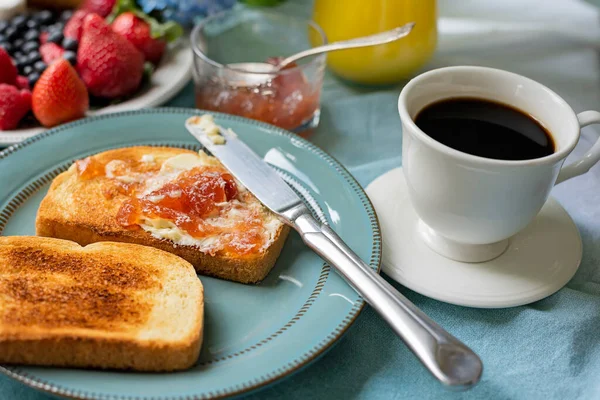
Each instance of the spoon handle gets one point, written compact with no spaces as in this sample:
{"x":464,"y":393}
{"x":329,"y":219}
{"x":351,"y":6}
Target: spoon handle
{"x":371,"y":40}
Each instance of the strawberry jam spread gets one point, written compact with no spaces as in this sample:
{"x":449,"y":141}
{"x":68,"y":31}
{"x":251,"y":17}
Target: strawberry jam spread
{"x":89,"y":168}
{"x":189,"y":199}
{"x":203,"y":202}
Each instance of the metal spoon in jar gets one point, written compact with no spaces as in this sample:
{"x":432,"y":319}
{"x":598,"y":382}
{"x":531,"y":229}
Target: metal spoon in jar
{"x":365,"y":41}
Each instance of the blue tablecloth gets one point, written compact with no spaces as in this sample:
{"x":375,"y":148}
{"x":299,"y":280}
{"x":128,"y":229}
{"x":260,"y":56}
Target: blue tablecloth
{"x":546,"y":350}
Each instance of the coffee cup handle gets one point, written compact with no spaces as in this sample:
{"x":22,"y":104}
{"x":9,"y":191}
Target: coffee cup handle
{"x":590,"y":158}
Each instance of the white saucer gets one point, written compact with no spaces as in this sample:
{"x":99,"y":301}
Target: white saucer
{"x":539,"y":260}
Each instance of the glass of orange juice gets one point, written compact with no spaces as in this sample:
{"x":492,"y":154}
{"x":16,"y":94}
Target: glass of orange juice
{"x":383,"y":64}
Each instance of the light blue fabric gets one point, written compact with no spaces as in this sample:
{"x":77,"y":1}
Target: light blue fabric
{"x":546,"y":350}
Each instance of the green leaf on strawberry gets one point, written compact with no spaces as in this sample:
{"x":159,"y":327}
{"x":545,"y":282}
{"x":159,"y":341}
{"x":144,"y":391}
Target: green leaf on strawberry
{"x":167,"y":30}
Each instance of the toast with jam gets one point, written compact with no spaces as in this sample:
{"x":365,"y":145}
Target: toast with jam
{"x":173,"y":199}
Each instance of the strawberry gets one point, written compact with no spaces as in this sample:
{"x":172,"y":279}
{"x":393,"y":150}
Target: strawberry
{"x":8,"y":71}
{"x":109,"y":65}
{"x":44,"y":37}
{"x":100,"y":7}
{"x":50,"y":52}
{"x":14,"y":104}
{"x":59,"y":95}
{"x":22,"y":82}
{"x":138,"y":32}
{"x":73,"y":28}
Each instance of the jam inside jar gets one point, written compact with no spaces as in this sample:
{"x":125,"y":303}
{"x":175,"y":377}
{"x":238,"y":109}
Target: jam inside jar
{"x":288,"y":100}
{"x":224,"y":44}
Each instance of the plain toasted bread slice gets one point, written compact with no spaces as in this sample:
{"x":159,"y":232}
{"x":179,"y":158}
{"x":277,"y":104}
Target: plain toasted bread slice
{"x":106,"y":305}
{"x":79,"y":210}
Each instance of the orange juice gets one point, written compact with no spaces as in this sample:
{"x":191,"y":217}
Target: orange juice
{"x":383,"y":64}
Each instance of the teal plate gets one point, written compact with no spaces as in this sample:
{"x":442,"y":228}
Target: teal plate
{"x":254,"y":334}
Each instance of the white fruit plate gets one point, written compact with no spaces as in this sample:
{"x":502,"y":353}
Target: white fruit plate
{"x":171,"y":75}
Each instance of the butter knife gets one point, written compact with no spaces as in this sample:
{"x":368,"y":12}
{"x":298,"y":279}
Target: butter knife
{"x":448,"y":359}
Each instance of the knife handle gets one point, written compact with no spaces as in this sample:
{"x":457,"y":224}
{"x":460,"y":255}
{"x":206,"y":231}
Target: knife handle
{"x":448,"y":359}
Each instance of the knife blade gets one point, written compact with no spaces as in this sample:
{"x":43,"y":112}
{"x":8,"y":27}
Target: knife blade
{"x":262,"y":180}
{"x":448,"y":359}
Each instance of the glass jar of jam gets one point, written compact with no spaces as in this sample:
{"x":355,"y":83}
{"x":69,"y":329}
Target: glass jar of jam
{"x":289,"y":98}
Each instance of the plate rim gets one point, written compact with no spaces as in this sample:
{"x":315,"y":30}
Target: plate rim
{"x":258,"y":383}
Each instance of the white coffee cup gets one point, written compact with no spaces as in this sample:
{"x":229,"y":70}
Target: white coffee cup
{"x":470,"y":206}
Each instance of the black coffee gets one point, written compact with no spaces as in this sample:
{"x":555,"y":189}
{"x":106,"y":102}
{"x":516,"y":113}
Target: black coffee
{"x":485,"y":129}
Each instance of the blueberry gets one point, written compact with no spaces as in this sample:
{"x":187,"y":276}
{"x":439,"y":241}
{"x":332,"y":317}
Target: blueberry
{"x":18,"y":19}
{"x":66,"y":15}
{"x":57,"y":27}
{"x":70,"y":44}
{"x":55,"y":36}
{"x":44,"y":17}
{"x":3,"y":38}
{"x":32,"y":34}
{"x":3,"y":25}
{"x":34,"y":56}
{"x":70,"y":56}
{"x":19,"y":22}
{"x":21,"y":62}
{"x":31,"y":45}
{"x":28,"y":69}
{"x":17,"y":54}
{"x":33,"y":78}
{"x":18,"y":43}
{"x":6,"y":46}
{"x":11,"y":33}
{"x":32,"y":23}
{"x":40,"y":66}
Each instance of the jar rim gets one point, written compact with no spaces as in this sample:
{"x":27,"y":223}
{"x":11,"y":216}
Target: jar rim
{"x":196,"y":31}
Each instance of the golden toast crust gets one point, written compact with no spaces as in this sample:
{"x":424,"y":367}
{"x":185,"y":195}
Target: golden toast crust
{"x":98,"y":306}
{"x":77,"y":210}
